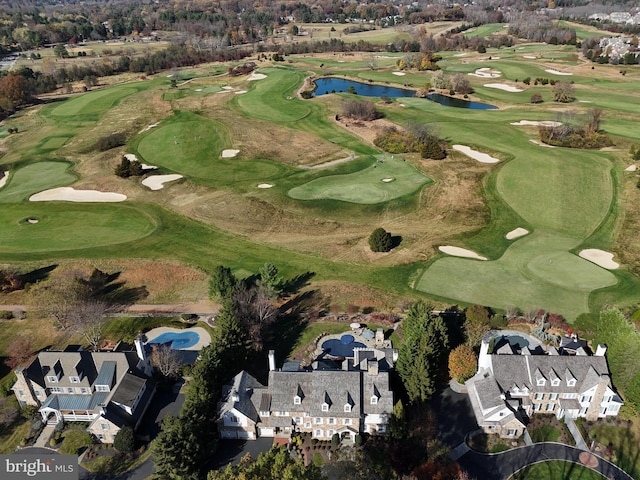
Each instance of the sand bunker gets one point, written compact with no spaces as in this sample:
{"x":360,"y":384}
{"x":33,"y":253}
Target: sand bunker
{"x":500,"y":86}
{"x":400,"y":74}
{"x":265,"y":185}
{"x":156,"y":182}
{"x":516,"y":233}
{"x":256,"y":76}
{"x":630,"y":168}
{"x":530,"y":57}
{"x":599,"y":257}
{"x":240,"y":92}
{"x":32,"y":221}
{"x":69,"y":194}
{"x":149,"y":127}
{"x":541,"y":144}
{"x":460,"y":252}
{"x":460,"y":55}
{"x":132,"y":158}
{"x":229,"y":153}
{"x":486,"y":73}
{"x":3,"y":179}
{"x":227,"y":87}
{"x":536,"y":123}
{"x":479,"y":156}
{"x":387,"y":180}
{"x":198,"y":90}
{"x":556,"y":72}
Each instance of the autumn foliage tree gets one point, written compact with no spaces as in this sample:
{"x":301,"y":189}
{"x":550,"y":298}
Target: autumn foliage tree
{"x":19,"y":352}
{"x":462,"y":363}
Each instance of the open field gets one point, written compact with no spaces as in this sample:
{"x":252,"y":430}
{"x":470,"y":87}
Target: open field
{"x":319,"y":219}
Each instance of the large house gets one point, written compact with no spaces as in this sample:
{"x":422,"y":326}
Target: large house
{"x":512,"y":385}
{"x":324,"y":400}
{"x":110,"y":389}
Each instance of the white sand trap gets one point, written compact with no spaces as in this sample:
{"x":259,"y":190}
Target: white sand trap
{"x":516,"y":233}
{"x":486,"y":73}
{"x":630,"y":168}
{"x":556,"y":72}
{"x":536,"y":123}
{"x":70,"y":194}
{"x":387,"y":180}
{"x":541,"y":144}
{"x":3,"y":179}
{"x":156,"y":182}
{"x":229,"y":153}
{"x":460,"y":252}
{"x":32,"y":221}
{"x":530,"y":57}
{"x":584,"y":101}
{"x":479,"y":156}
{"x":132,"y":158}
{"x":256,"y":76}
{"x":402,"y":104}
{"x":600,"y":258}
{"x":265,"y":185}
{"x":240,"y":92}
{"x":198,"y":90}
{"x":460,"y":55}
{"x":500,"y":86}
{"x":400,"y":74}
{"x":149,"y":127}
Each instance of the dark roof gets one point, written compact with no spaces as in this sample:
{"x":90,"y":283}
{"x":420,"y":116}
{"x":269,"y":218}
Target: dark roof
{"x":241,"y":395}
{"x":128,"y":389}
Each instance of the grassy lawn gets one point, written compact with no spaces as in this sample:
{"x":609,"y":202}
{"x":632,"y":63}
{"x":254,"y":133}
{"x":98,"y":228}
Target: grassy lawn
{"x":13,"y":428}
{"x":92,"y":105}
{"x":556,"y":469}
{"x":35,"y":178}
{"x":127,"y":328}
{"x":367,"y":186}
{"x":545,"y":433}
{"x":113,"y":464}
{"x":626,"y":445}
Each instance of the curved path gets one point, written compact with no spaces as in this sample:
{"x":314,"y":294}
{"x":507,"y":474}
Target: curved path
{"x":500,"y":466}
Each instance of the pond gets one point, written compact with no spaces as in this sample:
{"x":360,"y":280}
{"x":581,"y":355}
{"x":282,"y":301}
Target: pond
{"x":337,"y":85}
{"x":458,"y":102}
{"x":328,"y":85}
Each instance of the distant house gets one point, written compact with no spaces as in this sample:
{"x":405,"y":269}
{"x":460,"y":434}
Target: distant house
{"x":322,"y":401}
{"x":509,"y":386}
{"x":110,"y":389}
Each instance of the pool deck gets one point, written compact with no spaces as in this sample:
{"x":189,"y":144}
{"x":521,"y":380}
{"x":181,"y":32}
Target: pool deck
{"x":204,"y":340}
{"x":357,"y":337}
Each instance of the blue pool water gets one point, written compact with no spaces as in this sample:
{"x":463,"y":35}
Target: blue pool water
{"x":337,"y":348}
{"x":179,"y":341}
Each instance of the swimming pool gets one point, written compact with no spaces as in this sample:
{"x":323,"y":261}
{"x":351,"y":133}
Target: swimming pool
{"x":178,"y":340}
{"x":338,"y":348}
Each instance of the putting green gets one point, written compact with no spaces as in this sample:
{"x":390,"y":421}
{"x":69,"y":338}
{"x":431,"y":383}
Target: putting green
{"x":63,"y":226}
{"x":90,"y":106}
{"x":34,"y":178}
{"x":273,"y":98}
{"x":367,"y":186}
{"x":191,"y":145}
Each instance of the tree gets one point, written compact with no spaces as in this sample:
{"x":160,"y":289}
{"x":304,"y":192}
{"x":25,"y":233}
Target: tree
{"x":440,"y":80}
{"x":563,"y":92}
{"x":125,"y":441}
{"x":166,"y":360}
{"x":398,"y":422}
{"x":423,"y":351}
{"x":477,"y":323}
{"x":536,"y":98}
{"x":433,"y":149}
{"x":59,"y":297}
{"x":176,"y":450}
{"x":88,"y":318}
{"x":380,"y":240}
{"x":461,"y":84}
{"x":61,"y":51}
{"x":222,"y":283}
{"x":270,"y":280}
{"x":19,"y":353}
{"x":462,"y":363}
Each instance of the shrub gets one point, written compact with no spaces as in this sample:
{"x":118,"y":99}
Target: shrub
{"x":359,"y":441}
{"x":360,"y":110}
{"x":380,"y":240}
{"x":306,"y":94}
{"x":128,"y":168}
{"x":433,"y":149}
{"x":536,"y":98}
{"x":124,"y":440}
{"x":335,"y":440}
{"x":6,"y":315}
{"x":110,"y":141}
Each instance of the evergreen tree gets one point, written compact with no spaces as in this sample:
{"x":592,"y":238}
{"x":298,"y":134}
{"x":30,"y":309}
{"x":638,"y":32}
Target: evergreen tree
{"x":380,"y":240}
{"x":423,"y":351}
{"x":124,"y":169}
{"x":222,"y":283}
{"x":176,"y":450}
{"x":398,"y":422}
{"x":276,"y":464}
{"x":270,"y":279}
{"x":124,"y":440}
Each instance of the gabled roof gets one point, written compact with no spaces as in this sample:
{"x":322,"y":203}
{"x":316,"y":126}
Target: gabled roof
{"x":242,"y":395}
{"x":128,"y":389}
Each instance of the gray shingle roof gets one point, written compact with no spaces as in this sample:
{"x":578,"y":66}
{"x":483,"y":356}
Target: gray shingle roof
{"x":128,"y":389}
{"x":242,"y":395}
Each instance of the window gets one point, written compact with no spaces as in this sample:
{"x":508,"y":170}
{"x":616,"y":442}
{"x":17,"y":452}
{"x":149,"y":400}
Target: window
{"x":346,"y":421}
{"x":56,"y":389}
{"x":539,"y":396}
{"x":330,"y":433}
{"x":502,"y":414}
{"x":553,"y":396}
{"x":537,"y":407}
{"x":101,"y":436}
{"x":297,"y":420}
{"x":318,"y":433}
{"x":39,"y":393}
{"x":325,"y":407}
{"x":571,"y":382}
{"x":317,"y":421}
{"x":332,"y":421}
{"x":585,"y":399}
{"x":511,"y":432}
{"x":21,"y":393}
{"x":583,"y":411}
{"x":307,"y":425}
{"x":84,"y":390}
{"x":555,"y":382}
{"x":614,"y":408}
{"x":382,"y":428}
{"x":550,"y":407}
{"x":102,"y":388}
{"x":374,"y":400}
{"x":603,"y":410}
{"x":52,"y":379}
{"x":569,"y":395}
{"x":607,"y":399}
{"x":541,"y":382}
{"x":232,"y":418}
{"x":70,"y":390}
{"x":296,"y":400}
{"x":104,"y":426}
{"x":347,"y":407}
{"x":74,"y":379}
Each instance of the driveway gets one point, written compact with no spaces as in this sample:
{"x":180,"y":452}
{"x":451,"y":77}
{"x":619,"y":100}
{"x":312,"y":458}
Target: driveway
{"x":163,"y":404}
{"x":232,"y":451}
{"x":455,"y":416}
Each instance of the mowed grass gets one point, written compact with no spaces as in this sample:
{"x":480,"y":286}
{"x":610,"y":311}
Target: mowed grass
{"x":366,"y":186}
{"x":556,"y":469}
{"x":273,"y":98}
{"x":191,"y":145}
{"x":63,"y":226}
{"x":34,"y":178}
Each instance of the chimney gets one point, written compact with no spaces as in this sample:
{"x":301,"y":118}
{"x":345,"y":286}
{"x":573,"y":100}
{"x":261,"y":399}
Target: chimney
{"x":484,"y":360}
{"x":372,"y":367}
{"x":601,"y":350}
{"x":272,"y":360}
{"x":139,"y":343}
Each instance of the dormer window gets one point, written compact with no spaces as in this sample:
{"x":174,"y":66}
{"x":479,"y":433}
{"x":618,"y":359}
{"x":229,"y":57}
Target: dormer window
{"x":374,"y":400}
{"x":297,"y":400}
{"x":52,"y":379}
{"x":347,"y":407}
{"x":571,"y":382}
{"x":541,"y":382}
{"x":74,"y":379}
{"x":555,"y":382}
{"x":325,"y":407}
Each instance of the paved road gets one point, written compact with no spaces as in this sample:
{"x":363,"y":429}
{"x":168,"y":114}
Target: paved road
{"x":501,"y":466}
{"x":200,"y":308}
